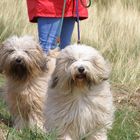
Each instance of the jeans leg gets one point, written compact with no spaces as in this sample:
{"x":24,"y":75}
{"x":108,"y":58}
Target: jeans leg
{"x":48,"y":32}
{"x":66,"y":33}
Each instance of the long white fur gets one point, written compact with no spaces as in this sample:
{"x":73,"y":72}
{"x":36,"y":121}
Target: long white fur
{"x":78,"y":108}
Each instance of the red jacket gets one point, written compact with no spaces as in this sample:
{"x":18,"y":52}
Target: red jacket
{"x":53,"y":8}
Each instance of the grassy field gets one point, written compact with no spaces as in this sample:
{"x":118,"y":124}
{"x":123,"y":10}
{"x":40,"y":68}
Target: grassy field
{"x":113,"y":27}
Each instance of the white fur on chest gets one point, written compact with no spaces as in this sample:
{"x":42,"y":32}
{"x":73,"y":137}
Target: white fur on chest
{"x":79,"y":112}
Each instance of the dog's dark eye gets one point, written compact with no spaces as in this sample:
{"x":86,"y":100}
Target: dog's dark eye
{"x":10,"y":51}
{"x":26,"y":51}
{"x":72,"y":60}
{"x":68,"y":63}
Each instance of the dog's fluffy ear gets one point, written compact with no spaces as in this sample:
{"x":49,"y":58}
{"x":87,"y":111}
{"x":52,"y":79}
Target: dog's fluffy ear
{"x":103,"y":71}
{"x":54,"y":53}
{"x":54,"y":82}
{"x":107,"y":70}
{"x":44,"y":60}
{"x":43,"y":64}
{"x":1,"y":60}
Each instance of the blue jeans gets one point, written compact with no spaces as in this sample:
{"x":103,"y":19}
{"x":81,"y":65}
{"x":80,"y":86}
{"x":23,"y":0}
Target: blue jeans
{"x":48,"y":32}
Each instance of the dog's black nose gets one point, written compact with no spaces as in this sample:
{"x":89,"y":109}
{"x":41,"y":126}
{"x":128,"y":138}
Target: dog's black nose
{"x":18,"y":60}
{"x":81,"y":69}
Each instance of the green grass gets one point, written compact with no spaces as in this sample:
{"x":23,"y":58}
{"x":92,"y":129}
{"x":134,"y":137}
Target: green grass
{"x":126,"y":125}
{"x":25,"y":134}
{"x":29,"y":135}
{"x":3,"y":110}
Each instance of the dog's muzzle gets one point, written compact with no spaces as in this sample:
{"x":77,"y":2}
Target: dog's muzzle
{"x":81,"y":74}
{"x":18,"y":61}
{"x":18,"y":68}
{"x":81,"y":69}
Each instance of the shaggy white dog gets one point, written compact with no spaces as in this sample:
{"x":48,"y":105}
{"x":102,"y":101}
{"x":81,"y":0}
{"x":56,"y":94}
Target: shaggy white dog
{"x":79,"y":101}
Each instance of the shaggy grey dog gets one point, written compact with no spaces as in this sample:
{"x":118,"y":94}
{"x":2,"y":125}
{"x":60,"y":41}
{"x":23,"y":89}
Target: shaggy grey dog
{"x":79,"y":102}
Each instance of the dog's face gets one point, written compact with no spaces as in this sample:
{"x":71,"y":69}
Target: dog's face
{"x":80,"y":66}
{"x":21,"y":58}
